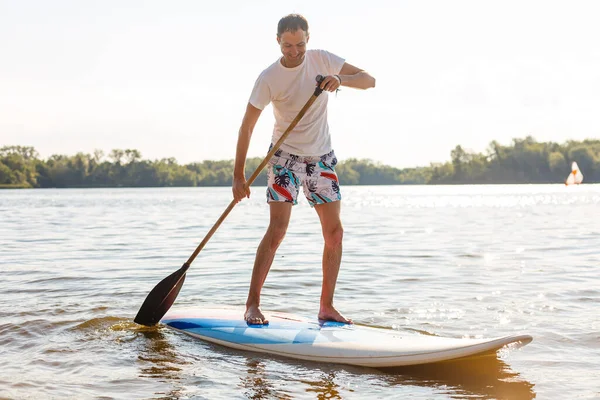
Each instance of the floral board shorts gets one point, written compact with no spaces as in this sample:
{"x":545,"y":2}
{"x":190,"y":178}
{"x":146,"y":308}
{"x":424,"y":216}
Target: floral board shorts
{"x":286,"y":172}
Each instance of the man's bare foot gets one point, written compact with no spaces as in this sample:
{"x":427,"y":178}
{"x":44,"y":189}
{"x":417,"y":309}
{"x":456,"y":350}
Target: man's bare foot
{"x":254,"y":316}
{"x":331,"y":314}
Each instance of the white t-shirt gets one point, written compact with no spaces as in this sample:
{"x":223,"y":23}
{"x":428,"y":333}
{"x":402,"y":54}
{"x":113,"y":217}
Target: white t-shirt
{"x":289,"y":89}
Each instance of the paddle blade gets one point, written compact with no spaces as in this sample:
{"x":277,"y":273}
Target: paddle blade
{"x":161,"y":298}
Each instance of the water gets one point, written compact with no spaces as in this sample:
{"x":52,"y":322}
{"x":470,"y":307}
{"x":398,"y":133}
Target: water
{"x":472,"y":261}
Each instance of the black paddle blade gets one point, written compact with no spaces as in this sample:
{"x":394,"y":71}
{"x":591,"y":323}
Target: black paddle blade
{"x":161,"y":298}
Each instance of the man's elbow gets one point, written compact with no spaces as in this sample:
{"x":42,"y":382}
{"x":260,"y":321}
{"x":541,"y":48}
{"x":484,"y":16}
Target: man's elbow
{"x":370,"y":82}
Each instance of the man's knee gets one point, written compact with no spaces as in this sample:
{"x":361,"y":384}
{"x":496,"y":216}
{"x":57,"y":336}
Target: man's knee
{"x":275,"y":234}
{"x":333,"y":237}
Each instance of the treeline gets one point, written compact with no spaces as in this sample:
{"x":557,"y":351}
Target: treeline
{"x":523,"y":161}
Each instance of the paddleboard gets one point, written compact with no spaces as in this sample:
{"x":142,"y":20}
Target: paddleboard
{"x":333,"y":342}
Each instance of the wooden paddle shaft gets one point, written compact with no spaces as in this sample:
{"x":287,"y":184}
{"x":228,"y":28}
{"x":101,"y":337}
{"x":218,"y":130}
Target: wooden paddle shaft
{"x":264,"y":162}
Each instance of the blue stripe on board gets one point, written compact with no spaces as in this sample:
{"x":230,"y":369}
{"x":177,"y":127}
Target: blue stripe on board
{"x":306,"y":336}
{"x":237,"y":331}
{"x":211,"y":323}
{"x":336,"y":324}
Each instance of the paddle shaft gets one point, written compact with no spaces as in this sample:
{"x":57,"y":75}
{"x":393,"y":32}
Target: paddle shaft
{"x":264,"y":162}
{"x":162,"y":297}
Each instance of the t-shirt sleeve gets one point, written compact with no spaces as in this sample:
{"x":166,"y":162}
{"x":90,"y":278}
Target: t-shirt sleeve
{"x":261,"y":94}
{"x":333,"y":62}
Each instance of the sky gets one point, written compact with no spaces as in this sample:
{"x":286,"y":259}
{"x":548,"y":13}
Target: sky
{"x":172,"y":79}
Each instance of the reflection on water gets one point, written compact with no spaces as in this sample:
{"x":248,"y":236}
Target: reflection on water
{"x":325,"y":388}
{"x":256,"y":382}
{"x":158,"y":356}
{"x":486,"y":377}
{"x":160,"y":361}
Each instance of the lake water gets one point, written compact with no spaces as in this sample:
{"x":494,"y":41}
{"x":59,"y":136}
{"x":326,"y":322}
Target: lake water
{"x":457,"y":261}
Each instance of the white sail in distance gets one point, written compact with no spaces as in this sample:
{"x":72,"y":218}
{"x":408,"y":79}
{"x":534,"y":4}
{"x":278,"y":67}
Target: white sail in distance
{"x":575,"y":177}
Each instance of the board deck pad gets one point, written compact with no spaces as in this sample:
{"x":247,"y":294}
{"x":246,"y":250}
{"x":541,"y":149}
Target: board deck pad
{"x":334,"y":342}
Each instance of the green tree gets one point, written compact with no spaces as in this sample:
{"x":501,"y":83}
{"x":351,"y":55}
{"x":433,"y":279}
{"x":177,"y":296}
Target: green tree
{"x":6,"y":175}
{"x":557,"y":163}
{"x":347,"y":174}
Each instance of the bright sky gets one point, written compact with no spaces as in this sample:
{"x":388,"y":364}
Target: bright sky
{"x":172,"y":78}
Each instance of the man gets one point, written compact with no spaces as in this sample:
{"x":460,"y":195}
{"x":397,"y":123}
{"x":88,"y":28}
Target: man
{"x":305,"y":158}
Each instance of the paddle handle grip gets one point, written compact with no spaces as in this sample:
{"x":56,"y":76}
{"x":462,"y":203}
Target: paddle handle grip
{"x":260,"y":167}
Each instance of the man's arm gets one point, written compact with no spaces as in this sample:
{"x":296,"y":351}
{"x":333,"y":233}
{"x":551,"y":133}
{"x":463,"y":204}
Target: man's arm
{"x":354,"y":77}
{"x":349,"y":76}
{"x":239,"y":177}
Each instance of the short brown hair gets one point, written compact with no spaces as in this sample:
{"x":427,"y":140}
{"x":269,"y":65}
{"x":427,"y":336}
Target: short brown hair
{"x":291,"y":23}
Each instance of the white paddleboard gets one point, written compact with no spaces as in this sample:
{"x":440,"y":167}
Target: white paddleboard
{"x":334,"y":342}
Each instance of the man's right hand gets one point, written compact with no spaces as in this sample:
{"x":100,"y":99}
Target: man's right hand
{"x":239,"y":189}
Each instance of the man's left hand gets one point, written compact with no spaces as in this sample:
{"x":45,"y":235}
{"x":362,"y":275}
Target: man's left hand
{"x":331,"y":83}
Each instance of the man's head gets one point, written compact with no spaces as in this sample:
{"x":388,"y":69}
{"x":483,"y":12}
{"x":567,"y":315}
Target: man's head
{"x":292,"y":23}
{"x":292,"y":36}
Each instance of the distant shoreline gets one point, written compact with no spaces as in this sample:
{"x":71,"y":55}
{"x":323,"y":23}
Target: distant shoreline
{"x":525,"y":161}
{"x":16,"y":187}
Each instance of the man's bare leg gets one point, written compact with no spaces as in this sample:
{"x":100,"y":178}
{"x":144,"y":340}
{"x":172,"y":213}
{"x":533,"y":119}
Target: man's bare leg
{"x":279,"y":219}
{"x":333,"y":232}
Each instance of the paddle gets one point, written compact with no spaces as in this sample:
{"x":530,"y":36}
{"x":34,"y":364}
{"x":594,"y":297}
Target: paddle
{"x":162,"y":297}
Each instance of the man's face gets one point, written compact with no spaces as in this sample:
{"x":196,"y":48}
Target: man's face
{"x":293,"y":46}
